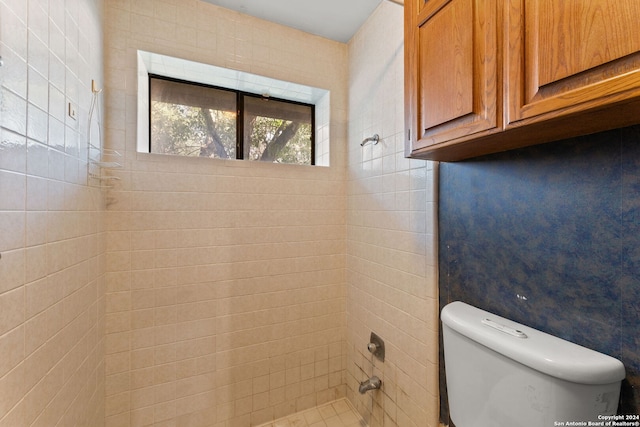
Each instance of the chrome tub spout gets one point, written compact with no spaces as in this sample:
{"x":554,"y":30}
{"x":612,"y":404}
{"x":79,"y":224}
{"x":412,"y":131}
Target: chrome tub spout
{"x":372,"y":383}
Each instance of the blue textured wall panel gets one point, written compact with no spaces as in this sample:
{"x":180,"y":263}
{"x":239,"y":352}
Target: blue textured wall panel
{"x":549,"y":236}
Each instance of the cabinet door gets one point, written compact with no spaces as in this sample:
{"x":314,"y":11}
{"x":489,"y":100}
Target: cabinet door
{"x":451,"y":71}
{"x":569,"y":56}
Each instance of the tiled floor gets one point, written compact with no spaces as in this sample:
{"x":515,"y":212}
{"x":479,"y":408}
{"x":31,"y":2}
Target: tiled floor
{"x":338,"y":413}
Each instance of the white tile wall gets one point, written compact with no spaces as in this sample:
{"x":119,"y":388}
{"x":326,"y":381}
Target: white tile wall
{"x":225,"y":279}
{"x":391,"y":261}
{"x":51,"y":242}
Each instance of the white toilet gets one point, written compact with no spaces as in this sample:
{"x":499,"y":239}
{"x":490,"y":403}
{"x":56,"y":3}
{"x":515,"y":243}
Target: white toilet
{"x":503,"y":374}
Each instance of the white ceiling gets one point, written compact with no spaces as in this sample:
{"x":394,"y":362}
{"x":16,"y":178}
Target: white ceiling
{"x":333,"y":19}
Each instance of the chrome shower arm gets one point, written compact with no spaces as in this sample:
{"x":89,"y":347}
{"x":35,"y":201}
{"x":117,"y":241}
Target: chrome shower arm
{"x":375,"y":138}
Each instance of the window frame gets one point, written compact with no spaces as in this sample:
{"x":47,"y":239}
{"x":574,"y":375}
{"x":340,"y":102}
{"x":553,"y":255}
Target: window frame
{"x":240,"y":117}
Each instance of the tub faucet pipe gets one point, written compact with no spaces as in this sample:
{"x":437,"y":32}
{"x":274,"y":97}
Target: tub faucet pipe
{"x":373,"y":383}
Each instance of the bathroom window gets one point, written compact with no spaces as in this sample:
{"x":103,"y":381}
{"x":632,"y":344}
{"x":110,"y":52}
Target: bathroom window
{"x":194,"y":119}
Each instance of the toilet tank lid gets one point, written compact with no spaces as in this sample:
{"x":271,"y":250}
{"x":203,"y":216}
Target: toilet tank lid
{"x":540,"y":351}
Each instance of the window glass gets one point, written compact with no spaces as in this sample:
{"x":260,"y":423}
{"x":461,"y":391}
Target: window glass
{"x":277,"y":131}
{"x":192,"y":120}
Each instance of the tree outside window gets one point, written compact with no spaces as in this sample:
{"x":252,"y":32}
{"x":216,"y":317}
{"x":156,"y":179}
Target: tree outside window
{"x":196,"y":120}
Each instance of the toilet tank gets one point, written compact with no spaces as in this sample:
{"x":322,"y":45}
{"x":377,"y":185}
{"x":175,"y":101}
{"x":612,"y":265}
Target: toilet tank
{"x":503,"y":374}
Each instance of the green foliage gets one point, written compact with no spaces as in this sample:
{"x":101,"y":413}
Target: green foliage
{"x":279,"y":141}
{"x":183,"y":130}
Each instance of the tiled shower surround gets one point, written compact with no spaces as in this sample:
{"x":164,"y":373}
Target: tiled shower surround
{"x":232,"y":293}
{"x":225,"y":284}
{"x":199,"y":292}
{"x":51,"y":221}
{"x":391,"y":259}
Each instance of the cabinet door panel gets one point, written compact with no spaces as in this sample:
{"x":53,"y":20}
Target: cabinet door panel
{"x":451,"y":58}
{"x":571,"y":55}
{"x":446,"y":61}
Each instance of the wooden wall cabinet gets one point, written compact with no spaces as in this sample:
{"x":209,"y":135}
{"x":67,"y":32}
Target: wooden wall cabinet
{"x":451,"y":69}
{"x":483,"y":76}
